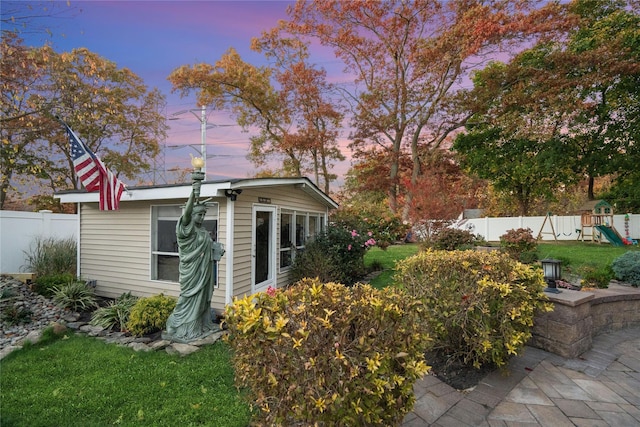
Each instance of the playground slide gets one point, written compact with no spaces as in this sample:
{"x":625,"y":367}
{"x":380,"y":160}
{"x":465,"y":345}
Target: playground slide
{"x":612,"y":236}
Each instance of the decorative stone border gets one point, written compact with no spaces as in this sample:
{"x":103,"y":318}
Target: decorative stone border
{"x":578,"y":316}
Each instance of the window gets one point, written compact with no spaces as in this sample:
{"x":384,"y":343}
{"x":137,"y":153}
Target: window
{"x":165,"y":259}
{"x":296,"y":228}
{"x":285,"y":239}
{"x":301,"y":233}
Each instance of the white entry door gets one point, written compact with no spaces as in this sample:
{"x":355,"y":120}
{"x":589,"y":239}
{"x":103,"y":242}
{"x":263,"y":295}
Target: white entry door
{"x":263,"y":270}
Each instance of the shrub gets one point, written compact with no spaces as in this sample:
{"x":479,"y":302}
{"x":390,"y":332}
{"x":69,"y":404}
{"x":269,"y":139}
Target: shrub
{"x":76,"y":296}
{"x":596,"y":277}
{"x":386,"y":228}
{"x":450,"y":239}
{"x":327,"y":354}
{"x":520,"y":244}
{"x":314,"y":261}
{"x":51,"y":256}
{"x":626,"y":267}
{"x":479,"y":305}
{"x":116,"y":314}
{"x":150,"y":315}
{"x":46,"y":285}
{"x":14,"y":315}
{"x":336,"y":255}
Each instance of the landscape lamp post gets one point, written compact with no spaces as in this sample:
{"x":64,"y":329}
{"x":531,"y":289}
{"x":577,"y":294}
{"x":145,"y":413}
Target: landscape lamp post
{"x":552,"y":269}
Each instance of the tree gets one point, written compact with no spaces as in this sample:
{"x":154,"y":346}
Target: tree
{"x":295,"y":121}
{"x":450,"y":189}
{"x":22,"y":73}
{"x":111,"y":110}
{"x":576,"y":97}
{"x":523,"y":168}
{"x":408,"y":59}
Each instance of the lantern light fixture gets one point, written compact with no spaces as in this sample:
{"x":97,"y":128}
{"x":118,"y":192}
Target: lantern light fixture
{"x":552,"y":269}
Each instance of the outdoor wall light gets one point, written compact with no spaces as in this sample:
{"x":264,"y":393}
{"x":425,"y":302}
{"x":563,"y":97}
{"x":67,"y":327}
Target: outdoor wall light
{"x":552,"y":269}
{"x":232,"y":194}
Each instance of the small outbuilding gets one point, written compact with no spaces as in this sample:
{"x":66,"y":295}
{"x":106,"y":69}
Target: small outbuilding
{"x":260,"y":222}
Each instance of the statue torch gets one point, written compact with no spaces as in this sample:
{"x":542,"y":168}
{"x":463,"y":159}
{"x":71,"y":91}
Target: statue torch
{"x":197,"y":175}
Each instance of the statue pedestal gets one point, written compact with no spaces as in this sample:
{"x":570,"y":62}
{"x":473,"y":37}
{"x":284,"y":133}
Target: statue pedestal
{"x":170,"y":337}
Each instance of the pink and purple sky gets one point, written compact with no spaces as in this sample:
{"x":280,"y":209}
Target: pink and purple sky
{"x":153,"y":38}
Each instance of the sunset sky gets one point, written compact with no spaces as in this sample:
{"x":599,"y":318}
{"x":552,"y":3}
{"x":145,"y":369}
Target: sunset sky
{"x":153,"y":38}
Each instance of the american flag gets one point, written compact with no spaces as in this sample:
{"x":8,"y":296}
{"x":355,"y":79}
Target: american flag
{"x":94,"y":175}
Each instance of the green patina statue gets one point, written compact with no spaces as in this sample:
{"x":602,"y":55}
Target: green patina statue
{"x":191,"y":318}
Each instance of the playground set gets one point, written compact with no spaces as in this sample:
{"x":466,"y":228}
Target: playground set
{"x":596,"y":222}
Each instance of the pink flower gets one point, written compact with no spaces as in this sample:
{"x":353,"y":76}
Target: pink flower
{"x":370,"y":234}
{"x":349,"y":247}
{"x":354,"y":233}
{"x":271,"y":291}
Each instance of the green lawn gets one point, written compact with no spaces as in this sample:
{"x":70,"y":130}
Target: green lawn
{"x":575,"y":254}
{"x":387,"y":259}
{"x":82,"y":381}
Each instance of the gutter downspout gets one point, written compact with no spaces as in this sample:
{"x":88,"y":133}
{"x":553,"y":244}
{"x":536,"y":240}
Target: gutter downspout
{"x":229,"y":250}
{"x":78,"y":242}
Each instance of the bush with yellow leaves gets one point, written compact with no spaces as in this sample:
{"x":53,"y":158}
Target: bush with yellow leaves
{"x":150,"y":314}
{"x":479,"y":305}
{"x":328,"y":353}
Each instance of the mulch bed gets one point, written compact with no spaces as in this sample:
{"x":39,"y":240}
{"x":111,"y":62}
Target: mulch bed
{"x":455,"y":373}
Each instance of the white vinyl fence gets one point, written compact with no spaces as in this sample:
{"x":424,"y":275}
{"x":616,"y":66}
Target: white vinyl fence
{"x":19,"y":229}
{"x":564,"y":227}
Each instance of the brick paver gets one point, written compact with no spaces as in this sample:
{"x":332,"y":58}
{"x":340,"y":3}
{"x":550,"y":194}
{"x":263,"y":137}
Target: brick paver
{"x":601,"y":388}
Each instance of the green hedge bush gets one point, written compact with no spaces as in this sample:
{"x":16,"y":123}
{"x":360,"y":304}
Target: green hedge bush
{"x":627,"y":267}
{"x":328,"y":354}
{"x":451,"y":239}
{"x":520,"y":244}
{"x":47,"y":284}
{"x":336,"y":255}
{"x":149,"y":315}
{"x":480,"y":305}
{"x":594,"y":276}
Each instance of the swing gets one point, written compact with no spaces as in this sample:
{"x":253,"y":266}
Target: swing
{"x":563,"y":228}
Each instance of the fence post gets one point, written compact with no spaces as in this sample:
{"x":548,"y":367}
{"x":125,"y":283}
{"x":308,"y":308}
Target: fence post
{"x":45,"y":216}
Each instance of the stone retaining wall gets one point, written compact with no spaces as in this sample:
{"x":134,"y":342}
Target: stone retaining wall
{"x":578,"y":316}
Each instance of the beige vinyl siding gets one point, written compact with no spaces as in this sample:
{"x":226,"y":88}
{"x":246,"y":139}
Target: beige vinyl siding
{"x":115,"y":248}
{"x":242,"y":243}
{"x":116,"y":252}
{"x":289,"y":198}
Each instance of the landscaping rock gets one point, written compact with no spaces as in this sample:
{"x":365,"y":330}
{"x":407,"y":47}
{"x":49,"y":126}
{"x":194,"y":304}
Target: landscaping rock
{"x":182,"y":349}
{"x":44,"y":313}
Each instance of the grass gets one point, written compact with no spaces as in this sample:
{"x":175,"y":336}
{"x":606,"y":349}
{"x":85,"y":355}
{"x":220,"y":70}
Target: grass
{"x":575,"y":255}
{"x":82,"y":381}
{"x":387,"y":259}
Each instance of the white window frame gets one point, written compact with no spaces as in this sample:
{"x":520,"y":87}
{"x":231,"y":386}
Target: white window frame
{"x":213,"y":214}
{"x":293,"y":233}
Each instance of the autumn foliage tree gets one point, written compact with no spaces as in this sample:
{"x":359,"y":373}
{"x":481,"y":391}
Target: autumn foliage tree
{"x":109,"y":108}
{"x":408,"y":59}
{"x":286,"y":102}
{"x":563,"y":110}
